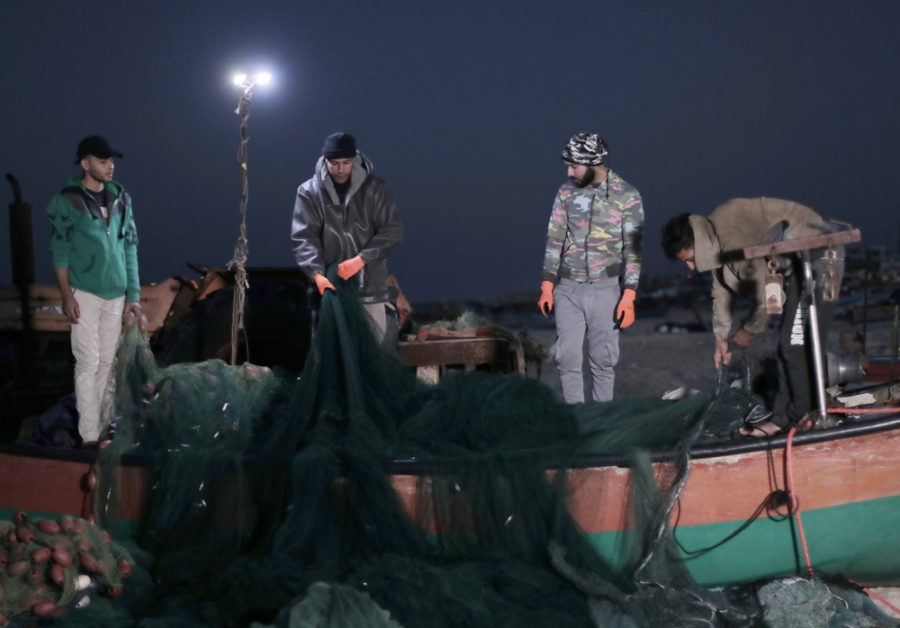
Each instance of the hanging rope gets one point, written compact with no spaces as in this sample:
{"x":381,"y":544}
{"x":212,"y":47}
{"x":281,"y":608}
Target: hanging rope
{"x":241,"y":281}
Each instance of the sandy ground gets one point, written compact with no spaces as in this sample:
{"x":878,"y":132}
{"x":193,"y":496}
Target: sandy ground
{"x":651,"y":363}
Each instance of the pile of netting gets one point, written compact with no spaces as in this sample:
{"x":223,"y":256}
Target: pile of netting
{"x":356,"y":495}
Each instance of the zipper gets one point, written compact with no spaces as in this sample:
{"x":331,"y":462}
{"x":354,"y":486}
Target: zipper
{"x":587,"y":265}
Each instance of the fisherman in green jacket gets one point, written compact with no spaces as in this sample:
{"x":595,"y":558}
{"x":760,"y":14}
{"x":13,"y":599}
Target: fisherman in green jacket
{"x":93,"y":244}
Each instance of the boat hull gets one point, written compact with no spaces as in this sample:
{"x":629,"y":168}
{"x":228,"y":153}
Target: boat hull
{"x":848,"y":490}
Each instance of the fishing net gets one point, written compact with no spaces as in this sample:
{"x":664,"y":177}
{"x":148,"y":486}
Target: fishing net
{"x":355,"y":495}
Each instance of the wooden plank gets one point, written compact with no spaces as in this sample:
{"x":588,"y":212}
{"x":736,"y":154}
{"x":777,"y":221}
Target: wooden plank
{"x":802,"y":244}
{"x":456,"y":351}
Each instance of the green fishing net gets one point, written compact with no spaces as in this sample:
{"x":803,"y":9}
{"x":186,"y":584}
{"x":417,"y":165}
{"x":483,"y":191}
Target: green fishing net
{"x":355,"y":495}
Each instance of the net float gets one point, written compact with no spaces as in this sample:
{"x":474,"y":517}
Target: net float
{"x":57,"y":574}
{"x":88,"y":565}
{"x":61,"y":545}
{"x":106,"y":536}
{"x":35,"y":576}
{"x":61,"y":557}
{"x":143,"y":323}
{"x":43,"y":608}
{"x":251,"y":372}
{"x":125,"y":568}
{"x":90,"y":480}
{"x":66,"y":523}
{"x":20,"y":518}
{"x":149,"y":388}
{"x":84,"y":544}
{"x":82,"y":582}
{"x":2,"y":619}
{"x":3,"y":558}
{"x":18,"y":567}
{"x":114,"y":591}
{"x":48,"y":527}
{"x":12,"y":536}
{"x":104,"y":444}
{"x":41,"y":555}
{"x":90,"y":517}
{"x":25,"y":535}
{"x":80,"y":525}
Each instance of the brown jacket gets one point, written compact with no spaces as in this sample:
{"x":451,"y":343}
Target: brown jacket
{"x":718,"y":244}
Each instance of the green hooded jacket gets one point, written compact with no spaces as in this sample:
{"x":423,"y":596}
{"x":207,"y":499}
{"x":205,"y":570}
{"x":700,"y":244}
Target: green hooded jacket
{"x":101,"y":259}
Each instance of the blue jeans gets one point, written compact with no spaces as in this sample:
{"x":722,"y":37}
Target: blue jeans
{"x":586,"y":308}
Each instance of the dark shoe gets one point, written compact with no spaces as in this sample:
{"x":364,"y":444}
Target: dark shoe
{"x":91,"y":444}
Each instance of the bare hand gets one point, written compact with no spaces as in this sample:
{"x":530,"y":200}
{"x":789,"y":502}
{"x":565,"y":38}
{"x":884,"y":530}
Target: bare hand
{"x":350,"y":267}
{"x":132,"y":306}
{"x":546,"y":298}
{"x":70,"y":307}
{"x":323,"y":284}
{"x":721,"y":354}
{"x":742,"y":339}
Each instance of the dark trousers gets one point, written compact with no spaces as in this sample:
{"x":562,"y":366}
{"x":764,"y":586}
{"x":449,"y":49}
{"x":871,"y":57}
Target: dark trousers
{"x":796,"y":395}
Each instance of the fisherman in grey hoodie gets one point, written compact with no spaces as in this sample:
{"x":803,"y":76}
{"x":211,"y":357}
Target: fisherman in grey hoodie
{"x":345,"y":215}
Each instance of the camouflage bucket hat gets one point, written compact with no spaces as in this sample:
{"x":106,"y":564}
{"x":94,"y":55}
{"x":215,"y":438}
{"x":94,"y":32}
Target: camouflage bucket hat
{"x":586,"y":149}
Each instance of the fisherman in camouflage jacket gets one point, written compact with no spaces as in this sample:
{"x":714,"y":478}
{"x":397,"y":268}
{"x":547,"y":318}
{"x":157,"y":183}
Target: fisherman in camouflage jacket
{"x":594,"y":238}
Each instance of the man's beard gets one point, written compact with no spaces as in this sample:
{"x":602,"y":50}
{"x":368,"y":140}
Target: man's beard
{"x":586,"y":180}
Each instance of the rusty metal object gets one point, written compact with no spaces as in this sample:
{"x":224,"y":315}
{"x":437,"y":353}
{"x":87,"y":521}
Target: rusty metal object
{"x":45,"y":305}
{"x":831,"y":282}
{"x":802,"y":244}
{"x":21,"y":237}
{"x":774,"y":288}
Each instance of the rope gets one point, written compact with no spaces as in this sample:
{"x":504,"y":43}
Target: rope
{"x":790,"y":479}
{"x":241,"y":282}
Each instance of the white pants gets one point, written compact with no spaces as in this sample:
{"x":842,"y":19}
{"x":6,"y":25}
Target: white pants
{"x":94,"y":340}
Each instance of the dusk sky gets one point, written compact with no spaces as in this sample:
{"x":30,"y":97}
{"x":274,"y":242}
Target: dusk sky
{"x":463,"y":107}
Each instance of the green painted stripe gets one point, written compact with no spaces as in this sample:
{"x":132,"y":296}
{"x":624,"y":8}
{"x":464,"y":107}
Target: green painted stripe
{"x":860,"y":541}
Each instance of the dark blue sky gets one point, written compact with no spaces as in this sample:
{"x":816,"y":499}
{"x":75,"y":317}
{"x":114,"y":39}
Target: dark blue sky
{"x":462,"y":106}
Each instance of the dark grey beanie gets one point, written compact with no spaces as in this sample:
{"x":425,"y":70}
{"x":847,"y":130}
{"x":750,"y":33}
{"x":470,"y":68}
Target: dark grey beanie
{"x":339,"y":146}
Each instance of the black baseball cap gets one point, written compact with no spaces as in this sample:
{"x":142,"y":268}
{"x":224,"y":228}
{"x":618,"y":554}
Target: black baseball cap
{"x":97,"y":146}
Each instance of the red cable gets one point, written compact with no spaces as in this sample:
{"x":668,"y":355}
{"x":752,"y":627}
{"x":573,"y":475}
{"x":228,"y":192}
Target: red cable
{"x":790,"y":480}
{"x":862,"y":410}
{"x":881,"y":599}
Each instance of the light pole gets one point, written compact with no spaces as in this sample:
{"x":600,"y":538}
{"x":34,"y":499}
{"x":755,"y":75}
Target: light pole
{"x":239,"y":260}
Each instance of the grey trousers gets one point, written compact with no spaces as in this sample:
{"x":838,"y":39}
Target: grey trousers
{"x":586,"y":308}
{"x":386,"y":325}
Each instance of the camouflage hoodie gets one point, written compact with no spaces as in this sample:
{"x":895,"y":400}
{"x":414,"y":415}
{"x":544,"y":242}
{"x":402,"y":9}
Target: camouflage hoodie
{"x":591,"y":237}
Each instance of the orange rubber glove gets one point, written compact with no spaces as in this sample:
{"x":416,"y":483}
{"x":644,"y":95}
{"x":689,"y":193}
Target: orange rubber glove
{"x":546,"y":297}
{"x":626,"y":307}
{"x":350,"y":267}
{"x":323,"y":284}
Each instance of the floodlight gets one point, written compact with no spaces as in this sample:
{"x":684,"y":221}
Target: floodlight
{"x":263,"y":78}
{"x":239,"y":79}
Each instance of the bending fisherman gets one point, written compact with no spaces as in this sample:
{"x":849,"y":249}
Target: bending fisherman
{"x":715,"y":244}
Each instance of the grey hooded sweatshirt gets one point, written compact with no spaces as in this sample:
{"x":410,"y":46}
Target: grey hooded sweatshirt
{"x":325,"y":232}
